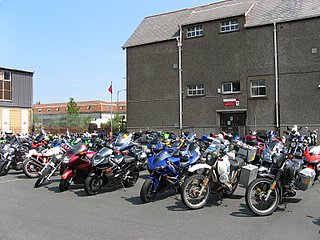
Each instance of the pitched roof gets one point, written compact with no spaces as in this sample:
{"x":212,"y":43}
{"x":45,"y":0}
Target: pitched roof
{"x":165,"y":26}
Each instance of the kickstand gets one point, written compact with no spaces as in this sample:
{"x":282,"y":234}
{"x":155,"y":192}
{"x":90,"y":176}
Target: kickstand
{"x":220,"y":200}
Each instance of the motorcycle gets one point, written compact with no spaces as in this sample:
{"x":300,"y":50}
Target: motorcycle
{"x":77,"y":165}
{"x":36,"y":160}
{"x":12,"y":157}
{"x":220,"y":173}
{"x":50,"y":168}
{"x":168,"y":169}
{"x":265,"y":193}
{"x":109,"y":169}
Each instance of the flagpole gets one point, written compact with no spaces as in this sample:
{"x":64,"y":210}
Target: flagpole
{"x":111,"y":132}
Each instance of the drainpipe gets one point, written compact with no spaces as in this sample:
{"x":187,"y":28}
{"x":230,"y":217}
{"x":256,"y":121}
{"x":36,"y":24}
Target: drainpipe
{"x":276,"y":73}
{"x":179,"y":44}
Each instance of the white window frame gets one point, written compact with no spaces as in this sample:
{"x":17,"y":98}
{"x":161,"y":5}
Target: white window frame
{"x":196,"y":90}
{"x":229,"y":25}
{"x":194,"y":31}
{"x":231,"y":91}
{"x":259,"y":85}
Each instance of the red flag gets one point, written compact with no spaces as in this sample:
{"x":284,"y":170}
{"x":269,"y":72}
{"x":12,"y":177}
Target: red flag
{"x":110,"y":88}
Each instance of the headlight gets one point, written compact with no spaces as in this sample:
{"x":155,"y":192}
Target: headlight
{"x":293,"y":145}
{"x":160,"y":168}
{"x":66,"y":159}
{"x":142,"y":156}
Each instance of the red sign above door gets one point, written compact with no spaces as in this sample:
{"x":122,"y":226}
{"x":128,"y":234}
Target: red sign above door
{"x":233,"y":102}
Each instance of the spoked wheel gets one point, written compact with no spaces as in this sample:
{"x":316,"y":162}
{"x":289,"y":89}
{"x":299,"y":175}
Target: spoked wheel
{"x":235,"y":177}
{"x":42,"y":177}
{"x":194,"y":193}
{"x":256,"y":194}
{"x":64,"y":185}
{"x":93,"y":184}
{"x":147,"y":192}
{"x":30,"y":169}
{"x":4,"y":169}
{"x":131,"y":178}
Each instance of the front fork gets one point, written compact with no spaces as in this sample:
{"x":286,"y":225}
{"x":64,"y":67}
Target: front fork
{"x":274,"y":184}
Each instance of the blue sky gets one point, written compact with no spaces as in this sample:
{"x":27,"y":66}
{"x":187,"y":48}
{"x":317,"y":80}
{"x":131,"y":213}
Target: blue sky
{"x":74,"y":46}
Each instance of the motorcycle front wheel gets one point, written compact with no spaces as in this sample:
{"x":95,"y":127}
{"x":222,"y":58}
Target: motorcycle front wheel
{"x":147,"y":192}
{"x":64,"y":185}
{"x":256,"y":194}
{"x":193,"y":193}
{"x":3,"y":168}
{"x":93,"y":184}
{"x":131,"y":178}
{"x":42,"y":177}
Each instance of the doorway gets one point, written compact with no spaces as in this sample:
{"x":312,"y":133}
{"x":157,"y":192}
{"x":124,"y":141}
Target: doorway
{"x":233,"y":123}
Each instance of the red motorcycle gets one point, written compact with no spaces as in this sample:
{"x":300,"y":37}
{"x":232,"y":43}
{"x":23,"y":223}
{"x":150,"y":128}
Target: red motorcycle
{"x":76,"y":165}
{"x":312,"y":159}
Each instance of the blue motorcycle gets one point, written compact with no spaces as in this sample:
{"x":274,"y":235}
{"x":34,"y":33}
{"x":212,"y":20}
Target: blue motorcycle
{"x":167,"y":169}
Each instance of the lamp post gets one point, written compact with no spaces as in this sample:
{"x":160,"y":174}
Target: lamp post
{"x":122,"y":90}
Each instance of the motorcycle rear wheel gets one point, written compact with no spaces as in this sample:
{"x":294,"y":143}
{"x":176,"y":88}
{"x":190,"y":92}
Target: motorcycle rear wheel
{"x":92,"y":185}
{"x":3,"y":168}
{"x":42,"y":177}
{"x":147,"y":192}
{"x":191,"y":189}
{"x":255,"y":197}
{"x":30,"y":169}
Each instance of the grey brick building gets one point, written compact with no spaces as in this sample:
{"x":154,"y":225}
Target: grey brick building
{"x":235,"y":65}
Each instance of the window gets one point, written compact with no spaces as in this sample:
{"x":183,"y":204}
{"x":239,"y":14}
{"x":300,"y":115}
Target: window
{"x":48,"y":110}
{"x":232,"y":87}
{"x":88,"y":107}
{"x":196,"y":90}
{"x":194,"y":31}
{"x":57,"y":109}
{"x":258,"y":88}
{"x":5,"y":85}
{"x":39,"y":110}
{"x":230,"y":25}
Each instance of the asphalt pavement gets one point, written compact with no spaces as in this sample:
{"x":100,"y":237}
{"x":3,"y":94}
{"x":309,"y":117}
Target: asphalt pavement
{"x":45,"y":213}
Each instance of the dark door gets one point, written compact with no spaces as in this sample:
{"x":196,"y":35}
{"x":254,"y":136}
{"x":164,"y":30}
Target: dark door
{"x":233,"y":123}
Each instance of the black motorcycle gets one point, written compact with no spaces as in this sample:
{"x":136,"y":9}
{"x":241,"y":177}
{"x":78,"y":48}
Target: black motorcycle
{"x":264,"y":194}
{"x":12,"y":157}
{"x":110,"y":169}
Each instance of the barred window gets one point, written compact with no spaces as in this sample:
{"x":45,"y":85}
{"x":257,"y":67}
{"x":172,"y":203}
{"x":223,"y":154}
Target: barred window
{"x":196,"y":90}
{"x":194,"y":31}
{"x":258,"y":88}
{"x":230,"y":25}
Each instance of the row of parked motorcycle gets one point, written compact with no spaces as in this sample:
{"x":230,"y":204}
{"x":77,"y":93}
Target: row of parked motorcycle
{"x":271,"y":168}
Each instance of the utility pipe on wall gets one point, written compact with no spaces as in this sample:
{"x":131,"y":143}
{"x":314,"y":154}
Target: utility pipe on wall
{"x":276,"y":73}
{"x":179,"y":44}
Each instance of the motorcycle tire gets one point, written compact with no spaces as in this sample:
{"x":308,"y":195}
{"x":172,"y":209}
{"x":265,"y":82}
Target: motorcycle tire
{"x":190,"y":190}
{"x":147,"y":192}
{"x":29,"y":169}
{"x":131,"y":178}
{"x":3,"y":168}
{"x":64,"y":185}
{"x":92,"y":185}
{"x":42,"y":177}
{"x":256,"y":191}
{"x":234,"y":184}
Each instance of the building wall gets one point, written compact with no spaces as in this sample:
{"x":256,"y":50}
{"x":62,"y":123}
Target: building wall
{"x":216,"y":58}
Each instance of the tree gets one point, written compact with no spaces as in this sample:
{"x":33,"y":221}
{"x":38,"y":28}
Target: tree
{"x":72,"y":107}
